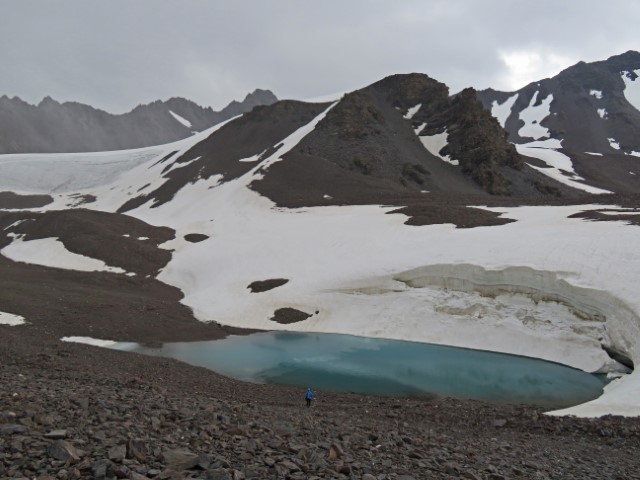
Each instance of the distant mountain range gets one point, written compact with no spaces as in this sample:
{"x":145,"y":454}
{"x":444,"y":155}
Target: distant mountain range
{"x":51,"y":126}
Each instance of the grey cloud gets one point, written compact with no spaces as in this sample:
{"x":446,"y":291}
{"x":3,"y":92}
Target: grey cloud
{"x":119,"y":53}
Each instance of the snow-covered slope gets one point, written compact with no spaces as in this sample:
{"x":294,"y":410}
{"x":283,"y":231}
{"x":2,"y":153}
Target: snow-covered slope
{"x":547,"y":285}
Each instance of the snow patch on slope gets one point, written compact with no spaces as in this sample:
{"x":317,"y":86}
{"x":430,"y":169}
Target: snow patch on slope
{"x":412,"y":111}
{"x":253,"y":158}
{"x":89,"y":341}
{"x":11,"y":320}
{"x":51,"y":252}
{"x":533,"y":115}
{"x":434,"y":145}
{"x":596,"y":93}
{"x":502,"y":111}
{"x":286,"y":145}
{"x":614,"y":144}
{"x":632,"y":88}
{"x":180,"y":119}
{"x":602,"y":112}
{"x":560,"y":167}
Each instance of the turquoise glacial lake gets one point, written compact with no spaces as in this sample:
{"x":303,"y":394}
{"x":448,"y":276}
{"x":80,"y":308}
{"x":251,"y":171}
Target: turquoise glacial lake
{"x":346,"y":363}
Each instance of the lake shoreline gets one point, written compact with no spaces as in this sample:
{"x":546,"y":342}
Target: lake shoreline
{"x":164,"y":406}
{"x":376,"y":366}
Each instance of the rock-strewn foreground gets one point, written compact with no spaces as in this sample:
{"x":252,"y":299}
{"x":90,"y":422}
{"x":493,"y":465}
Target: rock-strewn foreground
{"x":74,"y":411}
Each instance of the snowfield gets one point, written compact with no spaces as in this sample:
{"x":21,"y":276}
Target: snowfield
{"x":545,"y":286}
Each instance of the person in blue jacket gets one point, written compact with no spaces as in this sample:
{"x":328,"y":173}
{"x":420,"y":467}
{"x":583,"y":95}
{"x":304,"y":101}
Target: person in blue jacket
{"x":308,"y":396}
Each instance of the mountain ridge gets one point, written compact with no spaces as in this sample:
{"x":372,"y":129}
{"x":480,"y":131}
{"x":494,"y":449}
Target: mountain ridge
{"x":54,"y":127}
{"x":582,"y":123}
{"x":578,"y":93}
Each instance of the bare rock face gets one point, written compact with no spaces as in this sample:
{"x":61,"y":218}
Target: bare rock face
{"x":478,"y":142}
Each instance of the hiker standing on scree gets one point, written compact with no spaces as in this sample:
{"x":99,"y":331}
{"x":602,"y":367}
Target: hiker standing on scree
{"x":308,"y":396}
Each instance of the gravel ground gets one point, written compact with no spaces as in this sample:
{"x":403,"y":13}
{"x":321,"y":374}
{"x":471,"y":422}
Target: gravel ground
{"x":74,"y":411}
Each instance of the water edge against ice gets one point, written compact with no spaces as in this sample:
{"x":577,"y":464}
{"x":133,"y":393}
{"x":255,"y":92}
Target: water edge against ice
{"x":348,"y":363}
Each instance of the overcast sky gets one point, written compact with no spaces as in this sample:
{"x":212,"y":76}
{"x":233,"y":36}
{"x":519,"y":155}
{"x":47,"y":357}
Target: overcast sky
{"x":116,"y":54}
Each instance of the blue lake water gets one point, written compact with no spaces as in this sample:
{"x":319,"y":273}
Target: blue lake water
{"x":388,"y":367}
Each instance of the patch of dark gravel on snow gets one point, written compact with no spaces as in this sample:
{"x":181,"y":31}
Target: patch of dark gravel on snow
{"x":460,"y":216}
{"x":195,"y":237}
{"x":610,"y":215}
{"x":15,"y":200}
{"x":289,"y":315}
{"x":266,"y":285}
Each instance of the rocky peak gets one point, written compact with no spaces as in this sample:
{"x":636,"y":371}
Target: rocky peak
{"x":256,"y":98}
{"x":407,"y":90}
{"x":475,"y":138}
{"x":260,"y":97}
{"x":48,"y":102}
{"x":627,"y":60}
